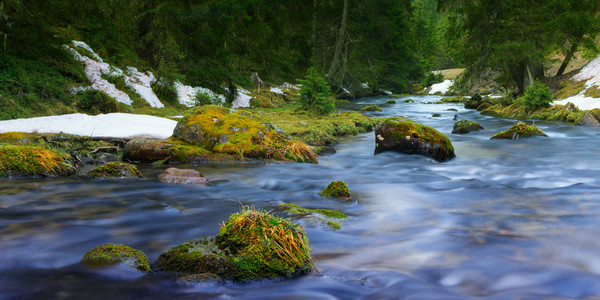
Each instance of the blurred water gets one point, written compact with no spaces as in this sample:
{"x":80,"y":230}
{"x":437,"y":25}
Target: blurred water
{"x":503,"y":220}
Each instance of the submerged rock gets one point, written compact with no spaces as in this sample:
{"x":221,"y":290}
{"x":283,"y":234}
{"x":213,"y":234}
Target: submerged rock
{"x":109,"y":254}
{"x":182,"y":176}
{"x":115,"y":170}
{"x":406,"y":136}
{"x":26,"y":161}
{"x":251,"y":245}
{"x":588,"y":120}
{"x":517,"y":131}
{"x":465,"y":126}
{"x":371,"y":108}
{"x":338,"y":190}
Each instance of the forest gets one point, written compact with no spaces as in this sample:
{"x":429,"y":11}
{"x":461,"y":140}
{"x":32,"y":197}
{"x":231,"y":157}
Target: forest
{"x":390,"y":45}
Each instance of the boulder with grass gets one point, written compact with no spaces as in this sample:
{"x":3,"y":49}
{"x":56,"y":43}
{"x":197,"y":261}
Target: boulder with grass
{"x":519,"y":131}
{"x":466,"y":126}
{"x":409,"y":137}
{"x":371,"y":108}
{"x":337,"y":189}
{"x":219,"y":130}
{"x":115,"y":170}
{"x":26,"y":161}
{"x":251,"y":245}
{"x":110,"y":254}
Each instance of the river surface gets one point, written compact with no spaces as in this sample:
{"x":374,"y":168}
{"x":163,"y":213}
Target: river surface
{"x":503,"y":220}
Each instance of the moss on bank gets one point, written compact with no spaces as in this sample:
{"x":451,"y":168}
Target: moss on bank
{"x":554,"y":113}
{"x":33,"y":161}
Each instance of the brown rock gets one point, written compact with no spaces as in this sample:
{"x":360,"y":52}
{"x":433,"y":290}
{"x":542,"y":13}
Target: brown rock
{"x":182,"y":176}
{"x":588,"y":120}
{"x":146,"y":150}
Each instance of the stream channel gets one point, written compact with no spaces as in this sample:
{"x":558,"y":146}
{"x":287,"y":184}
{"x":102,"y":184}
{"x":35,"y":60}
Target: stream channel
{"x":505,"y":219}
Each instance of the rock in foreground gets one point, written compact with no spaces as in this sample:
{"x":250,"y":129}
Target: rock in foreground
{"x":518,"y":131}
{"x":109,"y":254}
{"x":25,"y":161}
{"x":251,"y":245}
{"x":409,"y":137}
{"x":465,"y":126}
{"x":182,"y":176}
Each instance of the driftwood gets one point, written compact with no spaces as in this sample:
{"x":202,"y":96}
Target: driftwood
{"x":115,"y":148}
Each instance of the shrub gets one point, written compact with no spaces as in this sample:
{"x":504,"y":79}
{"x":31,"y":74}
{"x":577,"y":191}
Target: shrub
{"x":96,"y":102}
{"x":205,"y":98}
{"x":315,"y":94}
{"x":537,"y":96}
{"x":432,"y":78}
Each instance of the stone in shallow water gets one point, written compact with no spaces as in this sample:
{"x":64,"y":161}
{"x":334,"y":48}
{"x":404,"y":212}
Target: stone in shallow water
{"x":182,"y":176}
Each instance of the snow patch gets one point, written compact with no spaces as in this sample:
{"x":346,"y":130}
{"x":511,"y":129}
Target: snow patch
{"x":242,"y":100}
{"x":142,"y":84}
{"x":591,"y":73}
{"x":187,"y":94}
{"x":287,"y":85}
{"x":442,"y":87}
{"x":277,"y":91}
{"x":118,"y":125}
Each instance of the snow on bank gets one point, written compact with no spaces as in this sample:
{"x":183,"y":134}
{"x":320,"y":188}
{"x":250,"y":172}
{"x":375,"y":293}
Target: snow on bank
{"x":591,"y":73}
{"x":117,"y":125}
{"x":442,"y":87}
{"x":242,"y":100}
{"x":187,"y":94}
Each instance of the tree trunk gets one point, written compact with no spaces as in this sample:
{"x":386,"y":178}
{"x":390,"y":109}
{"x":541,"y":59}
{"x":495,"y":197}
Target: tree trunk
{"x":339,"y":42}
{"x":313,"y":37}
{"x":568,"y":58}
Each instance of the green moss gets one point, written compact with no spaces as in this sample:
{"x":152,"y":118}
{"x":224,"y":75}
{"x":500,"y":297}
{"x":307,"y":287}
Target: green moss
{"x":115,"y":170}
{"x":33,"y":161}
{"x":390,"y":102}
{"x":519,"y":130}
{"x":554,"y":113}
{"x":569,"y":88}
{"x":371,"y":108}
{"x":337,"y":189}
{"x":315,"y":212}
{"x":593,"y":92}
{"x":465,"y":126}
{"x":455,"y":99}
{"x":314,"y":129}
{"x":267,"y":99}
{"x":408,"y":101}
{"x":108,"y":254}
{"x":394,"y":130}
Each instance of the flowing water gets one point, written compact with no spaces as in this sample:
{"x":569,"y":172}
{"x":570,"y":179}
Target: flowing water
{"x":503,"y":220}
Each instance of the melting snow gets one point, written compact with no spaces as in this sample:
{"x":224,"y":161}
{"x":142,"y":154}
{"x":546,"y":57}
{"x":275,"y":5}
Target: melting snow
{"x":591,"y":73}
{"x":117,"y":125}
{"x":242,"y":100}
{"x":187,"y":94}
{"x":441,"y":87}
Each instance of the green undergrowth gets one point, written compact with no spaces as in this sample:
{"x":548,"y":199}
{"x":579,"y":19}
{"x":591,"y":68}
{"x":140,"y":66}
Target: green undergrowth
{"x":553,"y":113}
{"x":317,"y":214}
{"x":313,"y":129}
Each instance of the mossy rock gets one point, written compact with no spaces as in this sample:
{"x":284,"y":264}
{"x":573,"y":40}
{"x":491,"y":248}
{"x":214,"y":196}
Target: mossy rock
{"x":390,"y":102}
{"x":408,"y":101}
{"x":409,"y":137}
{"x":26,"y":161}
{"x":519,"y":130}
{"x":267,"y":99}
{"x":371,"y":108}
{"x":474,"y":102}
{"x":338,"y":190}
{"x":454,"y":99}
{"x":218,"y":130}
{"x":465,"y":126}
{"x":250,"y":246}
{"x":115,"y":170}
{"x":109,"y":254}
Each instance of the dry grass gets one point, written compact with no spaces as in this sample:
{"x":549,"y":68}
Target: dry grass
{"x":299,"y":151}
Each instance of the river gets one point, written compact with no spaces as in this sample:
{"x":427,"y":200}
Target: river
{"x":503,"y":220}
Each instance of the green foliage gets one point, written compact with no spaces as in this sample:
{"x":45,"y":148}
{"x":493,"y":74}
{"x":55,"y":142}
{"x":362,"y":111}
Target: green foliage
{"x":432,"y":78}
{"x":315,"y":94}
{"x":536,"y":96}
{"x":96,"y":102}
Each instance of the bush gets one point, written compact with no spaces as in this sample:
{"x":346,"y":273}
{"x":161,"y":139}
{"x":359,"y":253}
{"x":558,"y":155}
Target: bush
{"x":432,"y":78}
{"x":315,"y":94}
{"x":205,"y":98}
{"x":537,"y":96}
{"x":96,"y":102}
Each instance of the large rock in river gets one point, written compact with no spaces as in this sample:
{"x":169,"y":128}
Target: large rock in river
{"x":518,"y":131}
{"x":182,"y":176}
{"x":588,"y":120}
{"x":406,"y":136}
{"x":465,"y":126}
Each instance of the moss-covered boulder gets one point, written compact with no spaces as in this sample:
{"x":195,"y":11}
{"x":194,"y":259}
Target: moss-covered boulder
{"x":338,"y":190}
{"x":390,"y":102}
{"x":371,"y":108}
{"x":465,"y":126}
{"x":518,"y":131}
{"x":588,"y":120}
{"x":250,"y":246}
{"x":109,"y":254}
{"x":267,"y":99}
{"x":216,"y":129}
{"x":147,"y":150}
{"x":115,"y":170}
{"x":406,"y":136}
{"x":26,"y":161}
